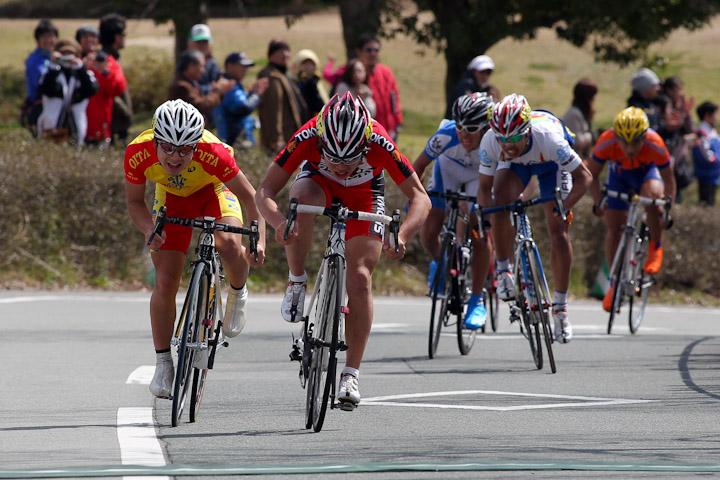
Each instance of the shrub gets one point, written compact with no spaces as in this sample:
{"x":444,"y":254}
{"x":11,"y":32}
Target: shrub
{"x":148,"y":80}
{"x":12,"y":95}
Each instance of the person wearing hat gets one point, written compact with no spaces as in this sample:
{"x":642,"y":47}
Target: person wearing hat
{"x":282,"y":109}
{"x":645,"y":90}
{"x":111,"y":82}
{"x":200,"y":38}
{"x":65,"y":89}
{"x":305,"y":65}
{"x":232,"y":117}
{"x":475,"y":79}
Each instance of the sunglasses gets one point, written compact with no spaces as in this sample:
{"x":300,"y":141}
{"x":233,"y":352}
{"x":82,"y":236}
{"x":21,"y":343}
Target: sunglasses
{"x":183,"y":150}
{"x":468,"y":128}
{"x":342,"y":161}
{"x":371,"y":50}
{"x":513,"y":139}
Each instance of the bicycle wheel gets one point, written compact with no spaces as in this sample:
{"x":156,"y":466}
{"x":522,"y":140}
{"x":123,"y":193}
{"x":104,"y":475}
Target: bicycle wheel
{"x":492,"y":301}
{"x":441,"y":289}
{"x":616,"y":280}
{"x":641,"y":282}
{"x":203,"y":333}
{"x":541,"y":309}
{"x":186,"y":335}
{"x":322,"y":374}
{"x":462,"y":293}
{"x":528,"y":328}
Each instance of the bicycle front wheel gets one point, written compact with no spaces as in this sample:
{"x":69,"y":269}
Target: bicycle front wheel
{"x":641,"y":282}
{"x":441,"y":289}
{"x":542,"y":306}
{"x":203,"y":333}
{"x":617,"y":281}
{"x":186,"y":335}
{"x":528,"y":327}
{"x":462,"y":294}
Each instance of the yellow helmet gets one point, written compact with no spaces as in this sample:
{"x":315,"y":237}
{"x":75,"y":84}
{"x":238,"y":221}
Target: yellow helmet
{"x":631,"y":123}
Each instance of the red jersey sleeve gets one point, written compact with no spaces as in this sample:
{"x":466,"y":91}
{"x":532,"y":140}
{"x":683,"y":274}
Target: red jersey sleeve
{"x":384,"y":150}
{"x":139,"y":156}
{"x":216,"y":158}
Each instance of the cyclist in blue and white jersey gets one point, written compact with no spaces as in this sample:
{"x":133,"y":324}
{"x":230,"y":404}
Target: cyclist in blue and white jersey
{"x":524,"y":143}
{"x":454,"y":148}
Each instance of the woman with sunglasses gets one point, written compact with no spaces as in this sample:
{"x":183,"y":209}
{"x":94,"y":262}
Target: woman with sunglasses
{"x":195,"y":175}
{"x":525,"y":142}
{"x":454,"y":148}
{"x":342,"y":154}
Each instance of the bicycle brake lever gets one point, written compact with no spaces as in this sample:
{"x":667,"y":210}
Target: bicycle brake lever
{"x":395,"y":230}
{"x":559,"y":205}
{"x":481,"y":220}
{"x":290,"y":217}
{"x":254,"y":236}
{"x":159,"y":223}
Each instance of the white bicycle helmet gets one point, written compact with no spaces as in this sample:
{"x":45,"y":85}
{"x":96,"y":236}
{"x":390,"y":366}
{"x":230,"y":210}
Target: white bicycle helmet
{"x":344,"y":126}
{"x":179,"y":123}
{"x":472,"y":109}
{"x":511,"y":116}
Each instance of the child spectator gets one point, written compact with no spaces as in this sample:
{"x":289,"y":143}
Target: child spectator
{"x":305,"y":66}
{"x":354,"y":80}
{"x":706,"y":153}
{"x":36,"y":65}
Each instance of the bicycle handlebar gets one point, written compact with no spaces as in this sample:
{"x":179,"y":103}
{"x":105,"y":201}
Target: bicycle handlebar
{"x":451,"y":195}
{"x":520,"y":206}
{"x":341,"y":214}
{"x":208,"y":224}
{"x":634,"y":197}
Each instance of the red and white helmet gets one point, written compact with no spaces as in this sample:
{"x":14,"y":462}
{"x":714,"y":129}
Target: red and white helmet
{"x":344,"y":126}
{"x":511,"y":116}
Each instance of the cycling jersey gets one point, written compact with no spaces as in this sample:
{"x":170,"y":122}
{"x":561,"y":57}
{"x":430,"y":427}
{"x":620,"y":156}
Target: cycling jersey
{"x":455,"y":168}
{"x":548,"y":143}
{"x":364,"y":189}
{"x":212,"y":163}
{"x":653,"y":152}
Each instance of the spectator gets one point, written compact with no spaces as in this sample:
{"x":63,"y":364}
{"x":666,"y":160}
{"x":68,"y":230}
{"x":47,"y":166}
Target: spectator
{"x":35,"y":66}
{"x":645,"y":89}
{"x":330,"y":74}
{"x":382,"y":83}
{"x":112,"y":39}
{"x":185,"y":84}
{"x":200,"y":38}
{"x":475,"y":79}
{"x":232,"y":117}
{"x":706,"y":153}
{"x":579,"y":117}
{"x":65,"y":87}
{"x":282,"y":109}
{"x":305,"y":67}
{"x":111,"y":83}
{"x":676,"y":123}
{"x":354,"y":80}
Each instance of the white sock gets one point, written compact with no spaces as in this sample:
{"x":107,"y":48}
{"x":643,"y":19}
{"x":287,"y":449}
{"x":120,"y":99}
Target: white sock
{"x":352,"y":371}
{"x":163,"y":357}
{"x":560,"y":298}
{"x":298,"y":279}
{"x":503,"y":265}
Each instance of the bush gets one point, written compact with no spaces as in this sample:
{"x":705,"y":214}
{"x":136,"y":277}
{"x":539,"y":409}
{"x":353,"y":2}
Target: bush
{"x":12,"y":95}
{"x":148,"y":80}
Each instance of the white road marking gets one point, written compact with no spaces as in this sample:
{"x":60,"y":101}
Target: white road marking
{"x":389,"y":400}
{"x":138,"y":443}
{"x":141,"y":375}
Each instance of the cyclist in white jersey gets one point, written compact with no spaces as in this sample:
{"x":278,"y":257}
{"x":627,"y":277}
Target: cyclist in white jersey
{"x":454,"y":148}
{"x":523,"y":143}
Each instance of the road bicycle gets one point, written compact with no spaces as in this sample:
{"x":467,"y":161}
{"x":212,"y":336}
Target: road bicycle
{"x":198,"y":332}
{"x":322,"y":336}
{"x":532,"y":304}
{"x":627,"y":272}
{"x":451,"y":287}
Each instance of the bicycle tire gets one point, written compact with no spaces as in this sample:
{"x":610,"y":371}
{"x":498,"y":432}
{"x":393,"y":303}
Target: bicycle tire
{"x":493,"y":301}
{"x":183,"y":369}
{"x":641,"y":282}
{"x":439,"y":312}
{"x":531,"y":331}
{"x":542,"y":310}
{"x":616,"y":280}
{"x":203,"y":332}
{"x":462,"y":291}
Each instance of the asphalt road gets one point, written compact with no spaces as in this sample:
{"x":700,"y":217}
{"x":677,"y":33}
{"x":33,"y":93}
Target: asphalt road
{"x":75,"y":401}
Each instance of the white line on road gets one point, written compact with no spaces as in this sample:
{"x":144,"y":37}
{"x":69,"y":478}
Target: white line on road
{"x":138,"y":442}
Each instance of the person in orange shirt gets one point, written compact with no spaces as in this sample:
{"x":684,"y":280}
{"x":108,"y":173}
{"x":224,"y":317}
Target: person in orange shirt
{"x":639,"y":161}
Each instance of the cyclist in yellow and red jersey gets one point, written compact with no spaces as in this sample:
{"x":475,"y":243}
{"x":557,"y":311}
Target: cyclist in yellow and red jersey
{"x":639,"y":161}
{"x":195,"y":175}
{"x":342,"y":154}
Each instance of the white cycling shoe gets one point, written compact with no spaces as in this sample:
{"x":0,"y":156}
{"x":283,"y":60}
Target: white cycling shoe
{"x":505,"y":286}
{"x":348,"y":392}
{"x":235,"y":317}
{"x":294,"y":299}
{"x":162,"y":382}
{"x":563,"y":329}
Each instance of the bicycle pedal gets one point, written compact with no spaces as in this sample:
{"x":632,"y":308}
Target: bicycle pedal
{"x":342,"y":346}
{"x":295,"y":354}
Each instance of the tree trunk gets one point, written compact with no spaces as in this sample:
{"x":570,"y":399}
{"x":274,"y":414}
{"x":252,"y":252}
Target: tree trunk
{"x":359,"y":16}
{"x":185,"y":14}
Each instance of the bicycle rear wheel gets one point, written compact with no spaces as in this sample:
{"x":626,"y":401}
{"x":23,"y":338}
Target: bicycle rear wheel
{"x":324,"y":340}
{"x":529,"y":329}
{"x":642,"y":283}
{"x":441,"y":289}
{"x":541,"y":309}
{"x":203,"y":333}
{"x":186,"y":335}
{"x":462,"y":294}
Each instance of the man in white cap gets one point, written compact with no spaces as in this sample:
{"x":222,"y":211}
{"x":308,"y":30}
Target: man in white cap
{"x":645,"y":89}
{"x":475,"y":79}
{"x":200,"y":38}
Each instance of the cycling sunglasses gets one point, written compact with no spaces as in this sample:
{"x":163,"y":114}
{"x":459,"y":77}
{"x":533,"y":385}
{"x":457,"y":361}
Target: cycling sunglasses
{"x":183,"y":150}
{"x":469,"y":128}
{"x":513,"y":139}
{"x":342,"y":161}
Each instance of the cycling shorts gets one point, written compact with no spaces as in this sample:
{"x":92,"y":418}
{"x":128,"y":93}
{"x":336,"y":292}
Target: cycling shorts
{"x":365,"y":197}
{"x":448,"y":175}
{"x":620,"y":180}
{"x":211,"y":201}
{"x":549,"y":176}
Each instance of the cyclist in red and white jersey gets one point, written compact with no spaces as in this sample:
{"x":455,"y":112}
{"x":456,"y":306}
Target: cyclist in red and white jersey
{"x":342,"y":154}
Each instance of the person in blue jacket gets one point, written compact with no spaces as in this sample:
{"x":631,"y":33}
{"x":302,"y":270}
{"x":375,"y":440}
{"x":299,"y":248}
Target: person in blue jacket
{"x":706,"y":153}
